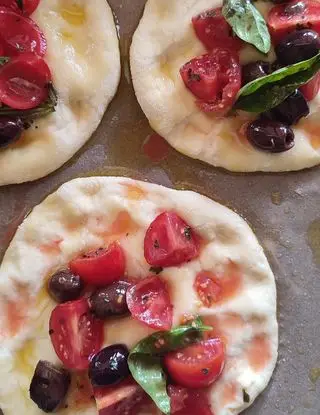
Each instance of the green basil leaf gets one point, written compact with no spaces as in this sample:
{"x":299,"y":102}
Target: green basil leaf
{"x":248,"y":23}
{"x":269,"y":91}
{"x":145,"y":359}
{"x":42,"y":110}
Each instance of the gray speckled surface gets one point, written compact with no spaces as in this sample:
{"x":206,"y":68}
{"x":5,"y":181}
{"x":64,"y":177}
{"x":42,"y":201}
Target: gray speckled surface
{"x":283,"y":209}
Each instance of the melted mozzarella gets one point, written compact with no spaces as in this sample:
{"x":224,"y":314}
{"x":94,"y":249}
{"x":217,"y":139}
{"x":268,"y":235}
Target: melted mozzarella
{"x":84,"y":58}
{"x":164,"y":41}
{"x":88,"y":213}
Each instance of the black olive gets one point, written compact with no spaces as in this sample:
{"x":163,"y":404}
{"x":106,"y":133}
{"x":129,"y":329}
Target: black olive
{"x":49,"y":386}
{"x":111,"y":300}
{"x":10,"y":130}
{"x":65,"y":286}
{"x":272,"y":136}
{"x":109,"y":366}
{"x":298,"y":46}
{"x":255,"y":70}
{"x":291,"y":110}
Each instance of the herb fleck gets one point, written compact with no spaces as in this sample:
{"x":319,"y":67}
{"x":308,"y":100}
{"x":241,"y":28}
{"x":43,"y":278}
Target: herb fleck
{"x":246,"y":396}
{"x":156,"y":244}
{"x":51,"y":332}
{"x":156,"y":270}
{"x":187,"y":232}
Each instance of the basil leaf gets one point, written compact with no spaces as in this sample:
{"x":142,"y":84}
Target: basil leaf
{"x":42,"y":110}
{"x":269,"y":91}
{"x":145,"y":359}
{"x":20,"y":4}
{"x":248,"y":23}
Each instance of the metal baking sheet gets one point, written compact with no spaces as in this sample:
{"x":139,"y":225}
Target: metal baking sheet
{"x":283,"y":210}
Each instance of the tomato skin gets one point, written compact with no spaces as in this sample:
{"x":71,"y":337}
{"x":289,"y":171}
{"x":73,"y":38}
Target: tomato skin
{"x":281,"y":23}
{"x":24,"y":82}
{"x":213,"y":30}
{"x":101,"y":267}
{"x":222,"y":66}
{"x":149,"y":302}
{"x":189,"y":402}
{"x":125,"y":398}
{"x":170,"y":241}
{"x":20,"y":34}
{"x":29,"y":6}
{"x":189,"y":370}
{"x":75,"y":333}
{"x":208,"y":289}
{"x":310,"y":90}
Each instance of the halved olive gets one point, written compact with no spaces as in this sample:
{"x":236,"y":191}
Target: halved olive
{"x":49,"y":386}
{"x":10,"y":130}
{"x":298,"y":46}
{"x":65,"y":286}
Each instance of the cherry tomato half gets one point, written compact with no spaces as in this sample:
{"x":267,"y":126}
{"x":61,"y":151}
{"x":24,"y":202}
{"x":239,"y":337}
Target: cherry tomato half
{"x":198,"y":365}
{"x":75,"y":333}
{"x":149,"y":302}
{"x":29,"y":6}
{"x":24,"y":81}
{"x":213,"y":30}
{"x":214,"y":79}
{"x":285,"y":18}
{"x":125,"y":398}
{"x":170,"y":241}
{"x":101,"y":267}
{"x":311,"y":89}
{"x":189,"y":402}
{"x":20,"y":34}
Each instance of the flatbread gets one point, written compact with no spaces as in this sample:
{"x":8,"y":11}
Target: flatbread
{"x":163,"y":42}
{"x":84,"y":58}
{"x":88,"y":213}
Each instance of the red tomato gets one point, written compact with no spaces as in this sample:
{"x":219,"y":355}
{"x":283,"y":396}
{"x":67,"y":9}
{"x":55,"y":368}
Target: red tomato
{"x":285,"y":18}
{"x":213,"y":30}
{"x":125,"y":398}
{"x":101,"y":267}
{"x":29,"y":6}
{"x":149,"y":302}
{"x":20,"y":34}
{"x":170,"y":241}
{"x":75,"y":333}
{"x":311,"y":89}
{"x":208,"y":289}
{"x":24,"y":82}
{"x":198,"y":365}
{"x":189,"y":402}
{"x":215,"y":79}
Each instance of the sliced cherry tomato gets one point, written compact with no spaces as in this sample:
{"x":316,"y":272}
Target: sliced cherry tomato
{"x":189,"y":402}
{"x":311,"y":89}
{"x":215,"y":79}
{"x":29,"y":6}
{"x":213,"y":30}
{"x":20,"y":34}
{"x":170,"y":241}
{"x":287,"y":17}
{"x":149,"y":302}
{"x":24,"y":82}
{"x":75,"y":333}
{"x":198,"y":365}
{"x":125,"y":398}
{"x":101,"y":267}
{"x":209,"y":290}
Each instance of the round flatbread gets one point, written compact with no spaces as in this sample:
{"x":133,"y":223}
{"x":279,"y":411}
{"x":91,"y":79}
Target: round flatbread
{"x":164,"y":41}
{"x":84,"y":58}
{"x":88,"y":213}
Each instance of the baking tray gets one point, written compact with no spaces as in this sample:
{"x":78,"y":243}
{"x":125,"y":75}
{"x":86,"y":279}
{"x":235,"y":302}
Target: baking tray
{"x":283,"y":210}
